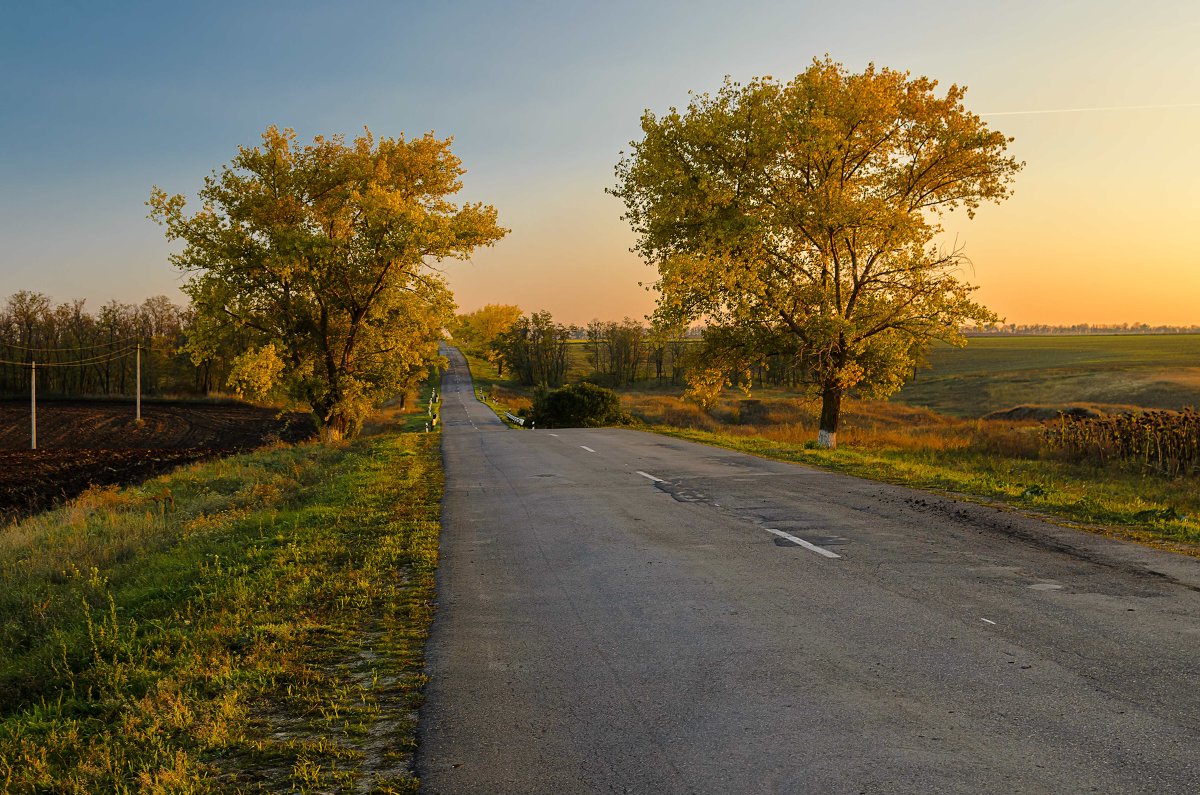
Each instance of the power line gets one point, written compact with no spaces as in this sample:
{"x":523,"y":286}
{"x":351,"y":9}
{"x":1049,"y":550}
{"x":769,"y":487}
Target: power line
{"x":101,"y":359}
{"x":123,"y":341}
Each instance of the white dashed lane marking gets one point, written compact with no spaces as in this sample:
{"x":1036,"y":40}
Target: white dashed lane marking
{"x":803,"y":543}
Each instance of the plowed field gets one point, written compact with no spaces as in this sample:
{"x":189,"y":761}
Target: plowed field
{"x":84,"y":443}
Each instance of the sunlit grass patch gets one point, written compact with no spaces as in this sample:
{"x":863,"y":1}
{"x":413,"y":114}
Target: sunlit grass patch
{"x":249,"y":624}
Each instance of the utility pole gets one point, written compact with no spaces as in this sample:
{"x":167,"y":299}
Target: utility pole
{"x":33,"y":404}
{"x":139,"y":383}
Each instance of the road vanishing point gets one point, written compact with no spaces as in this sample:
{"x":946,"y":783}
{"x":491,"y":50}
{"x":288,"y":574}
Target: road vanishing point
{"x":620,"y":611}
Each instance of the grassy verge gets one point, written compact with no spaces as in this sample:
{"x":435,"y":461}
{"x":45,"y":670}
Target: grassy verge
{"x":410,"y":412}
{"x":253,"y":624}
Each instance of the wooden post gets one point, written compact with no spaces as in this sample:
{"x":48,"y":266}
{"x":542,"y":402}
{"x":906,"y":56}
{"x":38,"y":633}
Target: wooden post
{"x":139,"y":382}
{"x":33,"y":405}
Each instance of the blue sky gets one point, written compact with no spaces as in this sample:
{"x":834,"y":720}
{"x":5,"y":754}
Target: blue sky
{"x":100,"y":101}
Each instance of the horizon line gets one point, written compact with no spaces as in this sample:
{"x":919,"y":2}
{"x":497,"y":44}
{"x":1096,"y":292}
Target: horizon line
{"x":1089,"y":110}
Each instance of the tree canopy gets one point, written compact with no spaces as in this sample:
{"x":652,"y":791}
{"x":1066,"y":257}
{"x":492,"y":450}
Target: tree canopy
{"x":318,"y":260}
{"x":477,"y":331}
{"x":799,"y":219}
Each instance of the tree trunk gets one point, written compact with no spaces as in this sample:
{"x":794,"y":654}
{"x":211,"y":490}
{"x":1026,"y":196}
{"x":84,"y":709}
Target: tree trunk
{"x":831,"y":409}
{"x":332,"y":424}
{"x":335,"y":428}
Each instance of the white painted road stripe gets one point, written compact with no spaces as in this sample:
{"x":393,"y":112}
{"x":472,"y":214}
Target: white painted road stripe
{"x":585,"y":447}
{"x":554,"y":434}
{"x":803,"y":543}
{"x":648,"y":475}
{"x":987,"y":620}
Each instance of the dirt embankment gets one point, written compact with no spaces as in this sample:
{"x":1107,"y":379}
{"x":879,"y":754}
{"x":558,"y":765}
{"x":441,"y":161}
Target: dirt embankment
{"x":84,"y":443}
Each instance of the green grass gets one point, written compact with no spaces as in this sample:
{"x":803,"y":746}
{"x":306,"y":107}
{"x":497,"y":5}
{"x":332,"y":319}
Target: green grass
{"x":996,"y":373}
{"x":253,"y":624}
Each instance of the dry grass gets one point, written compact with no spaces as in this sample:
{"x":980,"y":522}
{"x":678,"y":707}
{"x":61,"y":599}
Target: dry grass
{"x":513,"y":401}
{"x":865,"y":424}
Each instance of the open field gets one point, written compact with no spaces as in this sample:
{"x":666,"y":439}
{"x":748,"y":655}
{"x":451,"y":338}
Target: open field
{"x":997,"y":373}
{"x":84,"y":443}
{"x":250,"y":624}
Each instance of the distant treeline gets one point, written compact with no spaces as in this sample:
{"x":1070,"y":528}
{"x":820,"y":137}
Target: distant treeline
{"x":538,"y":351}
{"x":77,"y":352}
{"x":1079,"y":328}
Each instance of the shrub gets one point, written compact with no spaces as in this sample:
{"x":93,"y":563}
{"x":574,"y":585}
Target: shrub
{"x":581,"y":405}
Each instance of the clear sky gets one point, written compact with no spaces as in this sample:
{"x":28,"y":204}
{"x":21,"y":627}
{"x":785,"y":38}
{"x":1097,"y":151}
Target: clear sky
{"x":100,"y":101}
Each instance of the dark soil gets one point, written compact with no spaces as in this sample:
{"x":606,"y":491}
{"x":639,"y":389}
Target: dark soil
{"x":85,"y":443}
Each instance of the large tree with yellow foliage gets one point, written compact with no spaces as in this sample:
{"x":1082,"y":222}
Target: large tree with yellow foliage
{"x":319,"y":260}
{"x":476,"y":331}
{"x":799,"y":219}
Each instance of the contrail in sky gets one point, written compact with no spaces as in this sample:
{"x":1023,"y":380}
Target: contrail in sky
{"x":1088,"y":110}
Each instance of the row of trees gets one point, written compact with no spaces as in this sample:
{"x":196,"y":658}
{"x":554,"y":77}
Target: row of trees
{"x":535,"y":349}
{"x":1041,"y":329}
{"x":625,"y":352}
{"x":476,"y":332}
{"x":79,"y":352}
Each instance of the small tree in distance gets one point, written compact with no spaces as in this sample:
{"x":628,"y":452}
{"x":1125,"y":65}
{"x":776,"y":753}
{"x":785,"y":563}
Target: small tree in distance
{"x":797,"y":219}
{"x":321,"y":254}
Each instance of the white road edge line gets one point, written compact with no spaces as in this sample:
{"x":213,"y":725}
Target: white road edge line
{"x":648,"y":475}
{"x":585,"y":447}
{"x":803,"y":543}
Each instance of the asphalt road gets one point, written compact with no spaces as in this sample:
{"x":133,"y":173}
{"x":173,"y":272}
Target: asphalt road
{"x":624,"y":612}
